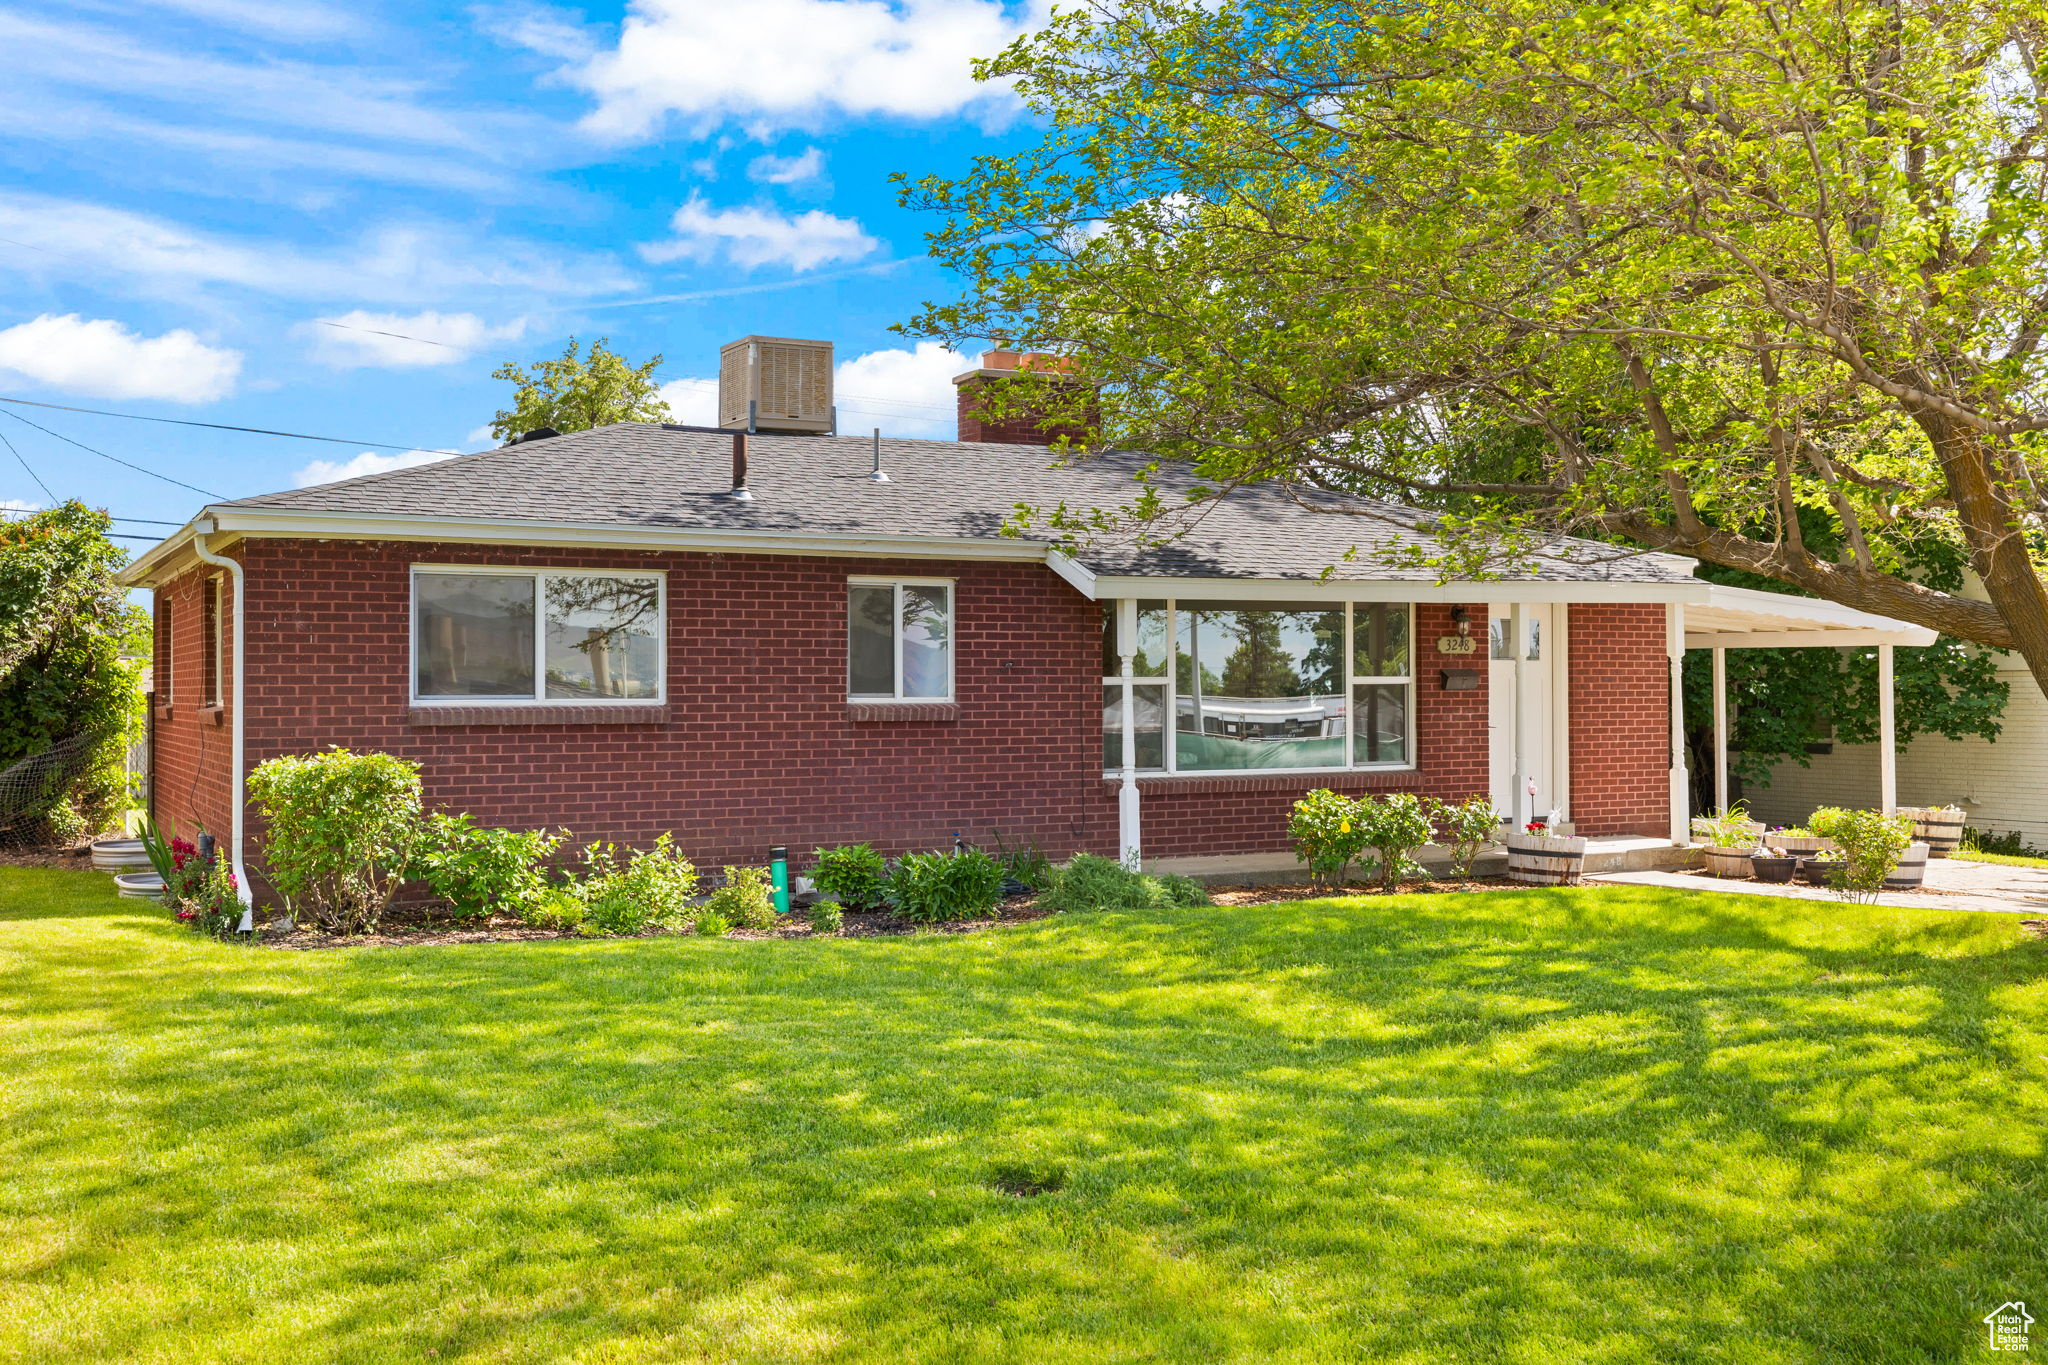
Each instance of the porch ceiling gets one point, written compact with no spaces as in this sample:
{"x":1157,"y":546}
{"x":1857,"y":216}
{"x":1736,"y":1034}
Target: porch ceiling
{"x":1744,"y":618}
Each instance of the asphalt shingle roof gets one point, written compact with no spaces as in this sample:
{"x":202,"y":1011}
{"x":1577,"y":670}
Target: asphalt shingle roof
{"x":643,"y":475}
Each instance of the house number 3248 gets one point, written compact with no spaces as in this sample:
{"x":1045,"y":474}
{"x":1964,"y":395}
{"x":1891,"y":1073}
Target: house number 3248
{"x":1456,"y":644}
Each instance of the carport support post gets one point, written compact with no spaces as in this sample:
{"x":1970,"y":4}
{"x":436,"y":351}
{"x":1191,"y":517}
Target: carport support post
{"x":1720,"y":729}
{"x":1681,"y":793}
{"x":1127,"y":794}
{"x":1887,"y":743}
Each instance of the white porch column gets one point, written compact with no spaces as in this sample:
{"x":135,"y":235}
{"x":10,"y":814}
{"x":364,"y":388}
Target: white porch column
{"x":1887,"y":744}
{"x":1127,"y":795}
{"x":1720,"y":729}
{"x":1561,"y":709}
{"x":1681,"y":795}
{"x":1518,"y":633}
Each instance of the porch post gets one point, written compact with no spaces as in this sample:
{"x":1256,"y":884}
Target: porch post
{"x":1887,"y":744}
{"x":1518,"y":629}
{"x":1127,"y":794}
{"x":1681,"y":794}
{"x":1720,"y":728}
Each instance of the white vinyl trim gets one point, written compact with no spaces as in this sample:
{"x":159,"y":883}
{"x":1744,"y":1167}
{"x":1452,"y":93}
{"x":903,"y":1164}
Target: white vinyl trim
{"x":538,"y":697}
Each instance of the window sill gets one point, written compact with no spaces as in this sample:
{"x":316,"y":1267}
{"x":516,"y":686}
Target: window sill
{"x":902,"y":710}
{"x":1335,"y":778}
{"x":536,"y":714}
{"x":213,"y":713}
{"x":166,"y":711}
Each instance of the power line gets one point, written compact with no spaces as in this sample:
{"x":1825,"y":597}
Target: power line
{"x":125,"y":521}
{"x":126,"y":464}
{"x":400,"y":336}
{"x":24,"y":464}
{"x":211,"y":426}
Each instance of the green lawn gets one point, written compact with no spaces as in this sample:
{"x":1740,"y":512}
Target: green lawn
{"x":1971,"y":855}
{"x":1604,"y":1125}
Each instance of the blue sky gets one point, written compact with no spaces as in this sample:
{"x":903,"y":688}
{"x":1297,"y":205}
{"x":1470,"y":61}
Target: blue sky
{"x":210,"y":209}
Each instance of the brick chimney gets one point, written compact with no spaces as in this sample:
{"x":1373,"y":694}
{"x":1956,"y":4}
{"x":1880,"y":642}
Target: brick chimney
{"x":1017,"y":428}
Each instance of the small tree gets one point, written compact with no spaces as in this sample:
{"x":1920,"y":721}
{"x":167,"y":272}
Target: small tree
{"x":341,"y":832}
{"x":575,"y":393}
{"x":1871,"y":844}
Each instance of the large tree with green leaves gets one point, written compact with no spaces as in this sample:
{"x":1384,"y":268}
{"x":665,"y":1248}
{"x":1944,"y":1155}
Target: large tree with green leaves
{"x":575,"y":392}
{"x":1672,"y":274}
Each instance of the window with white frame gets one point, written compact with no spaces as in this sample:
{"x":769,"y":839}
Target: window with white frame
{"x":216,"y":650}
{"x":1219,"y":686}
{"x":899,"y":639}
{"x":539,"y":635}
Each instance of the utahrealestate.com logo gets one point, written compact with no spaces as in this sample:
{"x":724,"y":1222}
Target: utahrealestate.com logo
{"x":2008,"y":1325}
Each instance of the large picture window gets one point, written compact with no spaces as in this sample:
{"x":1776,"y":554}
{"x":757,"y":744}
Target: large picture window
{"x":899,"y":640}
{"x":548,"y":635}
{"x":1258,"y":686}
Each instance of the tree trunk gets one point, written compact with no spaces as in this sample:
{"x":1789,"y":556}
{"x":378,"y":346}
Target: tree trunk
{"x":1994,"y":530}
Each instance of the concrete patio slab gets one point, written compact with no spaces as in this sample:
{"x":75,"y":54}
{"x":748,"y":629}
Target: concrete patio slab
{"x":1951,"y":885}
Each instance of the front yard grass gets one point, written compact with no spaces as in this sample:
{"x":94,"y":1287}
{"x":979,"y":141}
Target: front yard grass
{"x":1618,"y":1124}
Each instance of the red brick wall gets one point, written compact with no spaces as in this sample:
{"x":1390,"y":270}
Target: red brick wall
{"x":1620,"y":720}
{"x":758,"y":746}
{"x":190,"y":751}
{"x":1247,"y":813}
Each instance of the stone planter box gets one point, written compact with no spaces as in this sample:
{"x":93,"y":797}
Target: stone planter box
{"x":1537,"y":861}
{"x":1727,"y":862}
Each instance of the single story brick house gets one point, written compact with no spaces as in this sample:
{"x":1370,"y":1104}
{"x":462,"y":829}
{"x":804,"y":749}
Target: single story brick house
{"x":755,"y":637}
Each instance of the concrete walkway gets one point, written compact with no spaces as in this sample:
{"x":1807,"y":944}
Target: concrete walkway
{"x":1951,"y":885}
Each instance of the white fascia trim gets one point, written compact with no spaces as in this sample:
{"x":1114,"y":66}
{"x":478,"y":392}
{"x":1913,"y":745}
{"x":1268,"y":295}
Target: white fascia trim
{"x":1078,"y":575}
{"x":1819,"y":637}
{"x":256,"y":523}
{"x":1391,"y":590}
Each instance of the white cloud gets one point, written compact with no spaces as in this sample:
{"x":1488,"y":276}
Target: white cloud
{"x":369,"y":462}
{"x":295,"y":21}
{"x":104,"y":359}
{"x":905,"y":393}
{"x":793,"y":62}
{"x":693,"y":402}
{"x":363,"y":340}
{"x":750,"y":237}
{"x":391,"y":263}
{"x":19,"y":505}
{"x":788,"y":170}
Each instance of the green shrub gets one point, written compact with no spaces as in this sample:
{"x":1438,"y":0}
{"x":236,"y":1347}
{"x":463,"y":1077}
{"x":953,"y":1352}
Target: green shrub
{"x":935,"y":888}
{"x":341,"y":831}
{"x":1465,"y":828}
{"x":854,"y":875}
{"x":478,"y":870}
{"x":1184,"y":891}
{"x":1870,"y":844}
{"x":826,"y":917}
{"x":206,"y":898}
{"x":2011,"y":844}
{"x":557,"y":907}
{"x":747,"y":899}
{"x":1327,"y":836}
{"x":711,"y":924}
{"x":1393,"y":827}
{"x":653,"y":888}
{"x":1088,"y":882}
{"x":1024,"y":862}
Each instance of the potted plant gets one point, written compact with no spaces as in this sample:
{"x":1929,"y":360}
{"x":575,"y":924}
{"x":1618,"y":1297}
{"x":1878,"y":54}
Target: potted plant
{"x":1939,"y":827}
{"x":1730,"y":838}
{"x":1540,"y":858}
{"x":1773,"y":867}
{"x":1797,"y":839}
{"x":1821,"y":869}
{"x":1875,"y":852}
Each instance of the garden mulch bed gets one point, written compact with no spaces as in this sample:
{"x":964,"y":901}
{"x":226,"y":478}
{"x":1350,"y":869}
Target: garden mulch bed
{"x":67,"y":859}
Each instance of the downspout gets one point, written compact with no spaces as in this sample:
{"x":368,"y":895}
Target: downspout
{"x":207,"y":555}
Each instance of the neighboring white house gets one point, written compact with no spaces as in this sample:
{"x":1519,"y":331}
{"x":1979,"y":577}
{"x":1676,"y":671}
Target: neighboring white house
{"x":2001,"y":784}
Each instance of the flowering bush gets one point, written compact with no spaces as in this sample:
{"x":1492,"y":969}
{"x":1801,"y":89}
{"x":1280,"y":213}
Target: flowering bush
{"x":1327,"y":836}
{"x":211,"y":902}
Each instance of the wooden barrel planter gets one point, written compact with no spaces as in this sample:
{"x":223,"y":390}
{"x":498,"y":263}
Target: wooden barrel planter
{"x":1799,"y":844}
{"x":1537,"y":861}
{"x":1940,"y":830}
{"x":1911,"y":873}
{"x":1727,"y":862}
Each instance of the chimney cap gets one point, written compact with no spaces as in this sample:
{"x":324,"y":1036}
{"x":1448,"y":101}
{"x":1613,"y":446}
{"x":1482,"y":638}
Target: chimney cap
{"x":1003,"y":364}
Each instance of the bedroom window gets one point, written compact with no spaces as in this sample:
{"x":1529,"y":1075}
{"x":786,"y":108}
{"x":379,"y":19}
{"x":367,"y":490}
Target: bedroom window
{"x":546,"y":635}
{"x":899,"y":640}
{"x":214,"y":659}
{"x":1253,"y":686}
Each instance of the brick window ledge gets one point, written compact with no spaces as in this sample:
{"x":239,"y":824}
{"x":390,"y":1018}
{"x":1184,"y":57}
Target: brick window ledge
{"x":1336,"y":780}
{"x":213,"y":714}
{"x":536,"y":715}
{"x":902,"y":710}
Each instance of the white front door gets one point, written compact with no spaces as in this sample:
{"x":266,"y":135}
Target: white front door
{"x":1519,"y":710}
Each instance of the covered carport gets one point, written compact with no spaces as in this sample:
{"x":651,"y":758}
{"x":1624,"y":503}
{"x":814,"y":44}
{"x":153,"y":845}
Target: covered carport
{"x":1744,"y":618}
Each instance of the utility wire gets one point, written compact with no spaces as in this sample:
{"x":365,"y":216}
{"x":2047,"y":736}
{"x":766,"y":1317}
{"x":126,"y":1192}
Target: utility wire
{"x":399,"y":336}
{"x":25,"y":465}
{"x":126,"y":464}
{"x":212,"y":426}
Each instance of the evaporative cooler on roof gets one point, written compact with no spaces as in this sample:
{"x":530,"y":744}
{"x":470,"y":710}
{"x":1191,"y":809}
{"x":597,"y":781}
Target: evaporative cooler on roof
{"x":775,"y":384}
